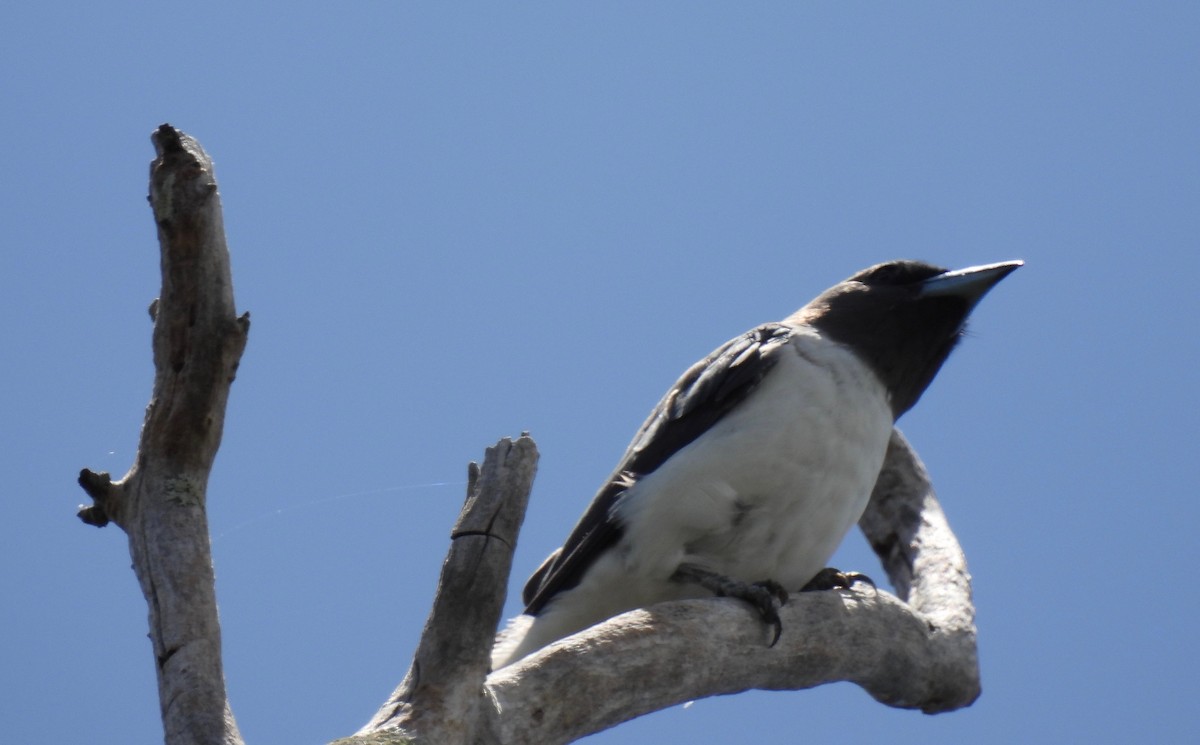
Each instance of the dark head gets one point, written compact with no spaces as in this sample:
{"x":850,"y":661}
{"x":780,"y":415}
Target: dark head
{"x":903,"y":318}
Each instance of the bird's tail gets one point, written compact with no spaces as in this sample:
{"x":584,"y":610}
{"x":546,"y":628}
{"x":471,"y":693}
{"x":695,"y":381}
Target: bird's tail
{"x":510,"y":645}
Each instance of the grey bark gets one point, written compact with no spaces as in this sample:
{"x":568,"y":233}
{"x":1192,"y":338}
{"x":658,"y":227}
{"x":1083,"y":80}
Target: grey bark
{"x":160,"y":503}
{"x":916,"y":650}
{"x":443,"y":695}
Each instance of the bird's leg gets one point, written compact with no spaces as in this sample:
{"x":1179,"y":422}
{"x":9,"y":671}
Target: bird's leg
{"x":832,"y":579}
{"x":765,"y":597}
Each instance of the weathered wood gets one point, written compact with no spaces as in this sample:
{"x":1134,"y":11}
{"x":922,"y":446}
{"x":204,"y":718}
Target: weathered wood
{"x":908,"y":530}
{"x":442,"y":696}
{"x":198,"y":341}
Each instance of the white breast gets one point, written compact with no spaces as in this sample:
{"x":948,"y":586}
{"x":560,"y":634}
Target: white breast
{"x":772,"y":489}
{"x":768,"y":493}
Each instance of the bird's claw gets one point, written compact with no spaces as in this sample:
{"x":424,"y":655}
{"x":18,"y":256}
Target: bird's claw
{"x":833,"y":579}
{"x":767,"y":597}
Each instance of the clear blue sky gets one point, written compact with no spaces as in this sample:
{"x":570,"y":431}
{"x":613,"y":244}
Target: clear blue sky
{"x":455,"y":223}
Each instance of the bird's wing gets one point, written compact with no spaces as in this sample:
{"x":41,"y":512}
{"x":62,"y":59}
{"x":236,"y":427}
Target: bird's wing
{"x":705,"y":393}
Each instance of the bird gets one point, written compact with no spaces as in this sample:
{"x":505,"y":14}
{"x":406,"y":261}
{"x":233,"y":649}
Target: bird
{"x":749,"y":472}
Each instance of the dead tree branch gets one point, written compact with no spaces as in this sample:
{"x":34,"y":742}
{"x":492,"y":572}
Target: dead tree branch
{"x":442,"y":697}
{"x":160,"y":503}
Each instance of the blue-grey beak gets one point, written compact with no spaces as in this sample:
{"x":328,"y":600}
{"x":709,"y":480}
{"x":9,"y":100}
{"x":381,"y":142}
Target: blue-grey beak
{"x":971,"y":283}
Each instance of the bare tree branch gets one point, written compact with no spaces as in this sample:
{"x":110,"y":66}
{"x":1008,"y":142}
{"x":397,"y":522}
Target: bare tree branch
{"x":442,"y":696}
{"x":160,"y":503}
{"x":908,"y":530}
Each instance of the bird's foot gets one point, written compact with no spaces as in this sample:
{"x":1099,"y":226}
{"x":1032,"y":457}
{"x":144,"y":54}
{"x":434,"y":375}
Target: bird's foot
{"x":832,"y":579}
{"x":766,"y":597}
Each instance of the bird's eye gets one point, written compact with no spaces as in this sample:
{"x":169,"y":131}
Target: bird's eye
{"x":897,"y":273}
{"x":886,"y":274}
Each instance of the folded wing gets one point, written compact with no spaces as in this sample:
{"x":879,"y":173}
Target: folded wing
{"x":705,"y":393}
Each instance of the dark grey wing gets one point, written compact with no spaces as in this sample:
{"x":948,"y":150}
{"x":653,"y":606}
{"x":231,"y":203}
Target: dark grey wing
{"x":705,"y":393}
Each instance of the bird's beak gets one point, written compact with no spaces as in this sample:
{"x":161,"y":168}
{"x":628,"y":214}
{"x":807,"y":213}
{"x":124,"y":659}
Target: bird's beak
{"x":971,"y":283}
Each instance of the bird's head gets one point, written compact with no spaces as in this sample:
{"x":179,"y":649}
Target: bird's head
{"x":903,"y":318}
